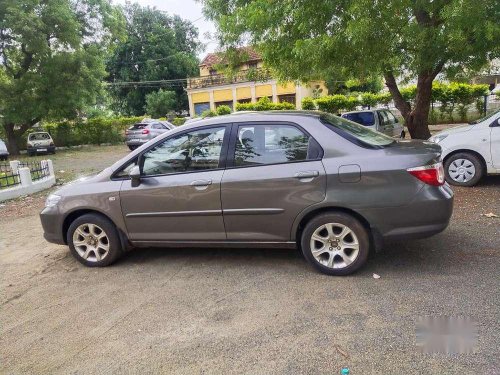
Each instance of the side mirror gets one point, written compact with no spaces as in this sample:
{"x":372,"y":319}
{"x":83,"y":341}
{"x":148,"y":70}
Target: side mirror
{"x":135,"y":176}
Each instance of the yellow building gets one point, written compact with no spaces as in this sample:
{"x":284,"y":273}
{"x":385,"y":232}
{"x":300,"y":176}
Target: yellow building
{"x":252,"y":82}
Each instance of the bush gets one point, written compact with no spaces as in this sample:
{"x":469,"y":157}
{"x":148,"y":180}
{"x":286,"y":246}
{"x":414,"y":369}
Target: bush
{"x":308,"y":104}
{"x":208,"y":113}
{"x":223,"y":110}
{"x":178,"y":121}
{"x":264,"y":104}
{"x":332,"y":103}
{"x":160,"y":102}
{"x":369,"y":99}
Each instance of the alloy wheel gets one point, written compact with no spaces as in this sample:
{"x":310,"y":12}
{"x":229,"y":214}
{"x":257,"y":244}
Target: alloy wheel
{"x":91,"y":242}
{"x":461,"y":170}
{"x":334,"y":245}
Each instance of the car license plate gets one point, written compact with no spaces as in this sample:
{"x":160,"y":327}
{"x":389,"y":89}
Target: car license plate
{"x":41,"y":149}
{"x":135,"y":140}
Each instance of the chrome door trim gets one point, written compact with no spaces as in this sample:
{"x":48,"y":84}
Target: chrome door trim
{"x":175,"y":213}
{"x":253,"y":211}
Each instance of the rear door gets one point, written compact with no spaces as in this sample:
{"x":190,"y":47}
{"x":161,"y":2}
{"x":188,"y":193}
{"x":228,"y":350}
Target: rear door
{"x":385,"y":125}
{"x":179,"y":195}
{"x":274,"y":172}
{"x":397,"y":128}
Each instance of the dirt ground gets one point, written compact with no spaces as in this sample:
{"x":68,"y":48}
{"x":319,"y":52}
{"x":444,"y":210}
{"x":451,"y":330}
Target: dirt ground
{"x":254,"y":311}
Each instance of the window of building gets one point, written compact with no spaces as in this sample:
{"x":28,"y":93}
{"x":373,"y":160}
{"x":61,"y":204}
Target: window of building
{"x":252,"y":65}
{"x":200,"y":107}
{"x":242,"y":101}
{"x":212,"y":71}
{"x":228,"y":103}
{"x":197,"y":150}
{"x":270,"y":144}
{"x":270,"y":98}
{"x":289,"y":98}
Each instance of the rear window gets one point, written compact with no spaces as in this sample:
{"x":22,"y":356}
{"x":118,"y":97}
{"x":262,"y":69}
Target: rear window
{"x":138,"y":126}
{"x":355,"y":132}
{"x":39,"y":136}
{"x":363,"y":118}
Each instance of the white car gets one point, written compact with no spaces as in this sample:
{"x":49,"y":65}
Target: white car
{"x":4,"y":154}
{"x":40,"y":142}
{"x":471,"y":151}
{"x":381,"y":120}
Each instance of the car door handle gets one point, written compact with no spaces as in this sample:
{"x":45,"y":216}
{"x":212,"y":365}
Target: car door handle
{"x":306,"y":174}
{"x":201,"y":183}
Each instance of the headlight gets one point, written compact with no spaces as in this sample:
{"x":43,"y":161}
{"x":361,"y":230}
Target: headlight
{"x":438,"y":138}
{"x":52,"y":200}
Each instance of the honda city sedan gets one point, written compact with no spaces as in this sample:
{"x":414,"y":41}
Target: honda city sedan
{"x":331,"y":187}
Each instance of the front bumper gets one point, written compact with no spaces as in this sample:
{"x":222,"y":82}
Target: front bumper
{"x":52,"y":225}
{"x":428,"y":214}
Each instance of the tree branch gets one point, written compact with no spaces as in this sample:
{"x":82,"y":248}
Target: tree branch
{"x":25,"y":65}
{"x":399,"y":101}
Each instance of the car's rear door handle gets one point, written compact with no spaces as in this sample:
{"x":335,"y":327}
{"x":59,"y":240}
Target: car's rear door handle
{"x":201,"y":183}
{"x":306,"y":174}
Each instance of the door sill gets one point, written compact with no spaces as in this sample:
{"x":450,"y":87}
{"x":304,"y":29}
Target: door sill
{"x":227,"y":244}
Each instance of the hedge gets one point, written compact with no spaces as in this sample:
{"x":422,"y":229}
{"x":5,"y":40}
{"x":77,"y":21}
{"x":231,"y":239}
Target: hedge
{"x":264,"y":104}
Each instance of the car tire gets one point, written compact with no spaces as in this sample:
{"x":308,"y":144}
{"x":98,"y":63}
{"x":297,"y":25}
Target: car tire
{"x":463,"y":169}
{"x":93,"y":240}
{"x":336,"y":254}
{"x":132,"y":148}
{"x":403,"y":135}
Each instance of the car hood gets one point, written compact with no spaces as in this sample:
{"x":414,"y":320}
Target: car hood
{"x":454,"y":130}
{"x":84,"y":180}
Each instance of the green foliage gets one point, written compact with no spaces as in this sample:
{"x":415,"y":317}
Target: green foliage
{"x":159,"y":103}
{"x":208,"y":113}
{"x":223,"y":110}
{"x":52,"y":63}
{"x":409,"y":92}
{"x":308,"y":104}
{"x":158,"y":47}
{"x":178,"y":121}
{"x":332,"y":103}
{"x":369,"y":99}
{"x":264,"y":104}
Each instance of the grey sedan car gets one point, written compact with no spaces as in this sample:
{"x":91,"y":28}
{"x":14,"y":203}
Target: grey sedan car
{"x":144,"y":131}
{"x":329,"y":186}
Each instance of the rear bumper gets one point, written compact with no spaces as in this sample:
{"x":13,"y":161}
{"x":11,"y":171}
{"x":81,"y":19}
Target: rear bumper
{"x":428,"y":214}
{"x":137,"y":141}
{"x":42,"y":149}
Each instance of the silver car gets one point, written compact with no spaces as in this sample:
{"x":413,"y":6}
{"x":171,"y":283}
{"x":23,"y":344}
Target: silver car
{"x":312,"y":180}
{"x":381,"y":120}
{"x":144,"y":131}
{"x":4,"y":153}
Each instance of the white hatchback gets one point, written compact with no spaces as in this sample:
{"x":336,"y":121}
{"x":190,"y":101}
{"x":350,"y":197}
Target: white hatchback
{"x":471,"y":151}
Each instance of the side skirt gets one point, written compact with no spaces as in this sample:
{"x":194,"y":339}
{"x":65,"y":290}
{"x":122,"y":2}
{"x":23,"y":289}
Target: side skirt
{"x":225,"y":244}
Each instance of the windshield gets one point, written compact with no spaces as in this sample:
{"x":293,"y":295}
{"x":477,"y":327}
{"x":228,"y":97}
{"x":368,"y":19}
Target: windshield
{"x":359,"y":132}
{"x":363,"y":118}
{"x":490,"y":116}
{"x":39,"y":136}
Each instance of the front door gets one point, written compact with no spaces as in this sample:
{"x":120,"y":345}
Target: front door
{"x":274,"y":172}
{"x":495,"y":143}
{"x":179,"y":195}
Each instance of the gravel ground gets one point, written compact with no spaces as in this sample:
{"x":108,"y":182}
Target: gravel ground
{"x":256,"y":311}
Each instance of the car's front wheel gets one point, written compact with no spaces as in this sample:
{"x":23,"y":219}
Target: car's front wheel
{"x":463,"y":169}
{"x":335,"y":243}
{"x":93,"y":240}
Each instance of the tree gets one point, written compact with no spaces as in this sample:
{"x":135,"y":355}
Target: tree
{"x":51,"y":59}
{"x":159,"y":103}
{"x":158,"y":47}
{"x":399,"y":39}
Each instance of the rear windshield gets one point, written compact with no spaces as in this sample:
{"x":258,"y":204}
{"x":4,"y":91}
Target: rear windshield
{"x":356,"y":132}
{"x":363,"y":118}
{"x":138,"y":126}
{"x":39,"y":136}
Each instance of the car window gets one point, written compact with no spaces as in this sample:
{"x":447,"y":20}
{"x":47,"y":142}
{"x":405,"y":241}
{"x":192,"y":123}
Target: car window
{"x":138,"y":126}
{"x":157,"y":126}
{"x":384,"y":119}
{"x":363,"y":118}
{"x":355,"y":132}
{"x":196,"y":150}
{"x":39,"y":136}
{"x":270,"y":144}
{"x":391,"y":117}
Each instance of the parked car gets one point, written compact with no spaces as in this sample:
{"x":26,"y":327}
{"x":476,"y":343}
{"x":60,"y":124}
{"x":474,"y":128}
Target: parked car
{"x":332,"y":187}
{"x":4,"y":153}
{"x":471,"y":151}
{"x":40,"y":142}
{"x":144,"y":131}
{"x":381,"y":120}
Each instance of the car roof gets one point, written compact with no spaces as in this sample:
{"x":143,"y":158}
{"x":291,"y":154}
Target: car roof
{"x":361,"y":111}
{"x":249,"y":116}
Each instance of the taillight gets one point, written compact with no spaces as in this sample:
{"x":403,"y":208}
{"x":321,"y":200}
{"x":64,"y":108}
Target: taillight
{"x":430,"y":174}
{"x":51,"y":144}
{"x":145,"y":131}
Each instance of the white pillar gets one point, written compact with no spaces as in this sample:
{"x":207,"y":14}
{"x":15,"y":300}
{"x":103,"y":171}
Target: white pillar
{"x":234,"y":99}
{"x":211,"y":96}
{"x":298,"y":96}
{"x":275,"y":93}
{"x":191,"y":105}
{"x":252,"y":91}
{"x":25,"y":176}
{"x":14,"y":166}
{"x":51,"y":168}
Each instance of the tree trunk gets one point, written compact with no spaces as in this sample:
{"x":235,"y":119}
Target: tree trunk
{"x":416,"y":118}
{"x":12,"y":145}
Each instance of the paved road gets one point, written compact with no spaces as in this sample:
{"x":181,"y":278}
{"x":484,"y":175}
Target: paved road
{"x":211,"y":311}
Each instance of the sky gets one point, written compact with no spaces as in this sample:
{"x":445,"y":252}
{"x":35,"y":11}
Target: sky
{"x":187,"y":9}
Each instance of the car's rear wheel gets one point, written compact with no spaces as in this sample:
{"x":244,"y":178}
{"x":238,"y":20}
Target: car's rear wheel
{"x":132,"y":148}
{"x":93,"y":240}
{"x":403,"y":134}
{"x":335,"y":243}
{"x":463,"y":169}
